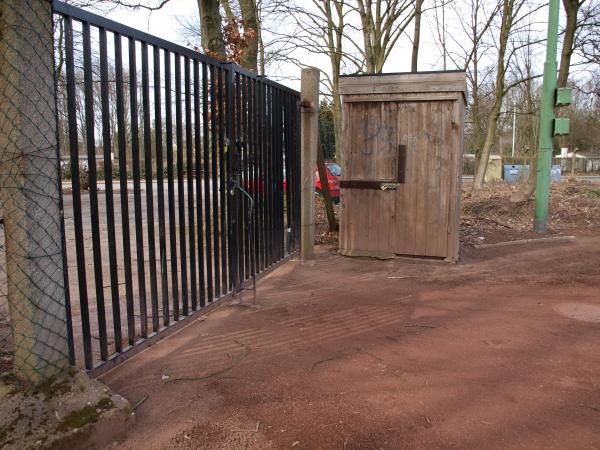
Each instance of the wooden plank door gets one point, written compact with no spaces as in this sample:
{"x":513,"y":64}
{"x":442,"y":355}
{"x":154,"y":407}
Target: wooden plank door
{"x":370,"y":154}
{"x":423,"y":202}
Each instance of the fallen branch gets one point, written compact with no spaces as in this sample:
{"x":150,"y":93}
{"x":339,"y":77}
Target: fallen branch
{"x":417,"y":325}
{"x":497,"y":222}
{"x":339,"y":352}
{"x":140,"y":403}
{"x":232,"y":363}
{"x":528,"y":241}
{"x":331,"y":358}
{"x":583,"y":405}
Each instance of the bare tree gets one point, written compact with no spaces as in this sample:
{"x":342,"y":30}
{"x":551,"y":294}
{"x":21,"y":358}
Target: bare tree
{"x":474,"y":19}
{"x":509,"y":17}
{"x":383,"y":22}
{"x":414,"y":63}
{"x":439,"y":10}
{"x":587,"y":41}
{"x":574,"y":23}
{"x":319,"y":28}
{"x":571,"y":9}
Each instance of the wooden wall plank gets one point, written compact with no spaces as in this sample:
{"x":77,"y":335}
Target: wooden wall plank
{"x":399,"y":97}
{"x":344,"y":197}
{"x":404,"y":242}
{"x":455,"y":191}
{"x":385,"y":204}
{"x":446,"y":171}
{"x":434,"y":178}
{"x":409,"y":83}
{"x":425,"y":111}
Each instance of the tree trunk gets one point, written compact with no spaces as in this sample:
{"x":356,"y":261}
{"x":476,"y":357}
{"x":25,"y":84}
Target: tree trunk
{"x":333,"y":225}
{"x":476,"y":119}
{"x":490,"y":135}
{"x":261,"y":52}
{"x":211,"y":32}
{"x":337,"y":118}
{"x":507,"y":18}
{"x":417,"y":36}
{"x":334,"y":42}
{"x":250,"y":22}
{"x":525,"y":193}
{"x":367,"y":30}
{"x":261,"y":46}
{"x":571,"y":9}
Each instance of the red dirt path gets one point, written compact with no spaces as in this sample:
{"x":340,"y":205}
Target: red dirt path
{"x":501,"y":350}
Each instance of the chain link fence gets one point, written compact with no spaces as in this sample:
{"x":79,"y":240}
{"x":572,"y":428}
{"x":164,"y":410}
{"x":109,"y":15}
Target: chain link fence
{"x":34,"y":325}
{"x":6,"y":348}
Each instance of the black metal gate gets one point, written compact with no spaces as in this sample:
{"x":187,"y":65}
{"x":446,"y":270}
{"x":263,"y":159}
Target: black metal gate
{"x":181,"y":181}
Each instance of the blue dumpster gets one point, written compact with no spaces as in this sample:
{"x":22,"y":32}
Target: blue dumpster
{"x":516,"y":172}
{"x":555,"y":173}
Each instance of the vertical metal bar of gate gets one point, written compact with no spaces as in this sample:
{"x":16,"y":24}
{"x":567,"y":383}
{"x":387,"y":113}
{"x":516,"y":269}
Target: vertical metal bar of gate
{"x":232,"y":170}
{"x":198,"y":169}
{"x":171,"y":187}
{"x":270,"y":178}
{"x":207,"y":197}
{"x":222,"y":181}
{"x":108,"y":182}
{"x":180,"y":186}
{"x":76,"y":193}
{"x":190,"y":182}
{"x":277,"y":152}
{"x":263,"y":176}
{"x":250,"y":176}
{"x":149,"y":188}
{"x":137,"y":195}
{"x":239,"y":248}
{"x":93,"y":187}
{"x":162,"y":240}
{"x":214,"y":179}
{"x":243,"y":175}
{"x":122,"y":143}
{"x":255,"y":173}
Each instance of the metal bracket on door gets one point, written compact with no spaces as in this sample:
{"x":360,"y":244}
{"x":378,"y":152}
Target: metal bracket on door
{"x":369,"y":184}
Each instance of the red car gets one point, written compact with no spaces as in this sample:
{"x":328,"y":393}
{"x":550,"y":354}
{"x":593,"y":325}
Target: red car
{"x":334,"y":173}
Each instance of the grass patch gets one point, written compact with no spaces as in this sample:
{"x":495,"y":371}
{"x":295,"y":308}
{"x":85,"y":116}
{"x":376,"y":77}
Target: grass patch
{"x":53,"y":388}
{"x":84,"y":416}
{"x":592,"y":193}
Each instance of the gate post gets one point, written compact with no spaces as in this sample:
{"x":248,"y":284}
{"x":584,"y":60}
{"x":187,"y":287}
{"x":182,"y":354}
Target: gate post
{"x":30,"y":191}
{"x":309,"y":138}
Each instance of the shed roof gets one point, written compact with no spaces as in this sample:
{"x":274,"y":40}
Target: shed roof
{"x":404,"y":83}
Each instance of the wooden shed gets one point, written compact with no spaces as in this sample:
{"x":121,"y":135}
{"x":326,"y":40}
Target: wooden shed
{"x":402,"y":148}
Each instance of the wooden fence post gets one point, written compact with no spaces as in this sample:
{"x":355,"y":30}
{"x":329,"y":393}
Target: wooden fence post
{"x":309,"y":135}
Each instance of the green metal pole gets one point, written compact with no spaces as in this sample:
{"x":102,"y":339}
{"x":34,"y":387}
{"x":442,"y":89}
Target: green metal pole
{"x":544,"y":159}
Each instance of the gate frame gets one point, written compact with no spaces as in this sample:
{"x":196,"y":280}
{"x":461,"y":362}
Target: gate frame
{"x":237,"y":172}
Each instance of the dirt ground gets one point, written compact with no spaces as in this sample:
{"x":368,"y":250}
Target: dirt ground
{"x":497,"y":351}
